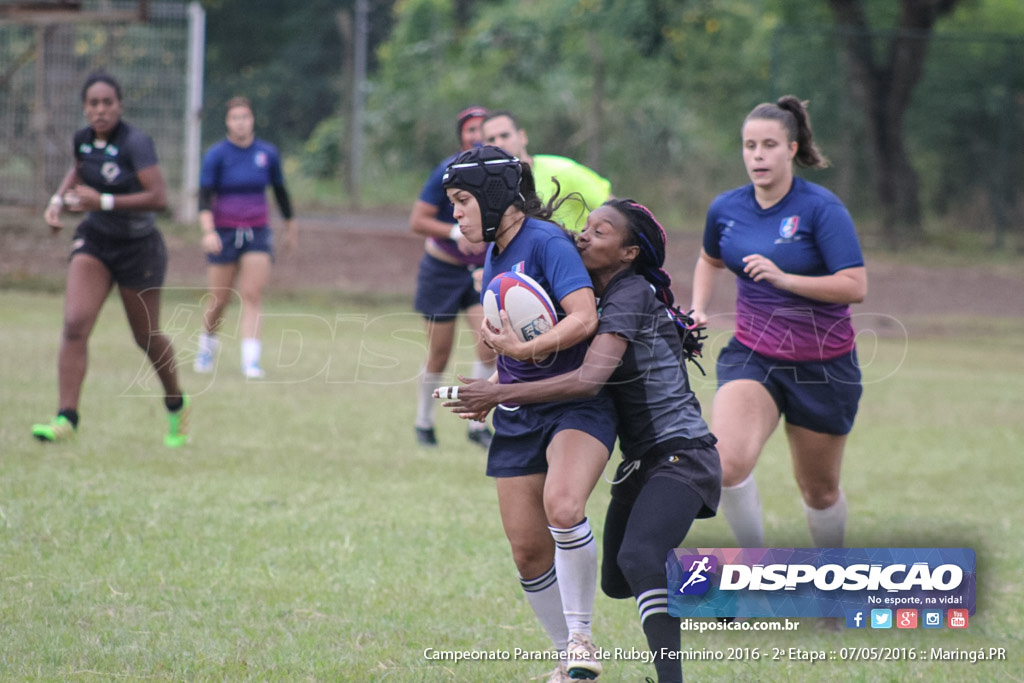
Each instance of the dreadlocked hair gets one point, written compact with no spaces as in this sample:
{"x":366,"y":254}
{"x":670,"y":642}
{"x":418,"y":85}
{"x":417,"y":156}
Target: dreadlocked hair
{"x":646,"y":233}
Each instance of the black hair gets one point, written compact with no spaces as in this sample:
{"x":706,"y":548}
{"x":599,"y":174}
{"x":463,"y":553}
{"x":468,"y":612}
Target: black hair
{"x":791,"y":112}
{"x":101,"y":76}
{"x":646,"y":233}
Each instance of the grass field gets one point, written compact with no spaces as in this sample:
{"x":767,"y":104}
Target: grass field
{"x":303,"y":536}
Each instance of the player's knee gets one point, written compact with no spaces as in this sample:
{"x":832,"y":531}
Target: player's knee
{"x":820,"y":495}
{"x":564,"y":512}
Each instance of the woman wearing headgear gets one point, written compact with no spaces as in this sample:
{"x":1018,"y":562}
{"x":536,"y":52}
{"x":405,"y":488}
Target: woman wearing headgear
{"x":670,"y":473}
{"x":794,"y":250}
{"x":546,"y":457}
{"x":445,"y":286}
{"x":115,"y":177}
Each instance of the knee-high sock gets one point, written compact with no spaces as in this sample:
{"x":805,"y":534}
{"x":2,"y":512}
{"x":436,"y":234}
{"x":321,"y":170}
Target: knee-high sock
{"x":659,"y":520}
{"x":741,"y":505}
{"x":427,"y":404}
{"x":482,"y":370}
{"x":828,"y":526}
{"x":546,"y":601}
{"x":576,"y":565}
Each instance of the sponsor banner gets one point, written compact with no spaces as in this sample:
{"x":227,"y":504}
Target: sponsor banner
{"x":818,"y":582}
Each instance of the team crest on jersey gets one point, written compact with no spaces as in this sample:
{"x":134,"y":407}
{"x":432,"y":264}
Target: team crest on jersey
{"x":110,"y":171}
{"x":84,"y":148}
{"x":261,"y":159}
{"x":519,"y":267}
{"x":110,"y":151}
{"x":789,"y":227}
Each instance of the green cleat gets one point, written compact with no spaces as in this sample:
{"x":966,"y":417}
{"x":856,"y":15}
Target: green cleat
{"x":177,"y":424}
{"x":58,"y":429}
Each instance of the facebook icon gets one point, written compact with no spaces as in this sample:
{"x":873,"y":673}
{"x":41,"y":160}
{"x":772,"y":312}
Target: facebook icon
{"x":855,"y":618}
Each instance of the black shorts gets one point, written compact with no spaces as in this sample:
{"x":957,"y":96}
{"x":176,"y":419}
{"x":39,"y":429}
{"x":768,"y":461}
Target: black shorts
{"x":694,"y":462}
{"x":135,"y":263}
{"x":443,"y":289}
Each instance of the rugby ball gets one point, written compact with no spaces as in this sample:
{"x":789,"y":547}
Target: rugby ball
{"x":529,"y":308}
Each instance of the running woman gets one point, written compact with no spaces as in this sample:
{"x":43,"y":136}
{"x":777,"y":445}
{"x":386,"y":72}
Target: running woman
{"x":546,"y":458}
{"x":794,"y":250}
{"x":446,"y":285}
{"x":115,"y":177}
{"x":237,"y":238}
{"x":670,"y":473}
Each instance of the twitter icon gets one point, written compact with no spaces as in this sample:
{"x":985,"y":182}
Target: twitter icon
{"x":881,"y":618}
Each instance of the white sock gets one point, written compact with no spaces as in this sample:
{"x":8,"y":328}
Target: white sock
{"x":828,"y":526}
{"x":576,"y":566}
{"x":545,"y":599}
{"x":483,"y":370}
{"x":208,"y":343}
{"x":251,"y":350}
{"x":427,"y":404}
{"x":741,"y":505}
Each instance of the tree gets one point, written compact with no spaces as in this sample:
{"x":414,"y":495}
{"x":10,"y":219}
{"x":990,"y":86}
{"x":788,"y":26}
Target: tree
{"x":884,"y":68}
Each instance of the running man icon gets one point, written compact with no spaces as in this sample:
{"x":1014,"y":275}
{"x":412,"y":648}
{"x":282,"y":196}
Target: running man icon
{"x":698,"y":569}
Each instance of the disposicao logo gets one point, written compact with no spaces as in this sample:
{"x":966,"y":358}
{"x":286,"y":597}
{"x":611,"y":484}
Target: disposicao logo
{"x":696,"y":579}
{"x":819,"y":582}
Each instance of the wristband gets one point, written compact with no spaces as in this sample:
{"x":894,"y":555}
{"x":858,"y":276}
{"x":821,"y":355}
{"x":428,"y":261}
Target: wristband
{"x":106,"y":202}
{"x":56,"y":200}
{"x":455,"y":233}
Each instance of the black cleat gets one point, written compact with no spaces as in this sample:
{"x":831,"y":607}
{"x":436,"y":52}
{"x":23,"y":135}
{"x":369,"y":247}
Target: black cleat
{"x":425,"y":437}
{"x":482,"y":437}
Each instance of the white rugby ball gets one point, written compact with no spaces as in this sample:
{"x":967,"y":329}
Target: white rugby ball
{"x":529,"y":308}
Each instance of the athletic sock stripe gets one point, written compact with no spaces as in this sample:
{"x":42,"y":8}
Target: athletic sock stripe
{"x":652,"y":611}
{"x":578,"y":543}
{"x":540,"y":583}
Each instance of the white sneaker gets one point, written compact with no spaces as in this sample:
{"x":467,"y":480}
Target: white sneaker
{"x":581,"y":658}
{"x":203,"y":363}
{"x":253,"y":371}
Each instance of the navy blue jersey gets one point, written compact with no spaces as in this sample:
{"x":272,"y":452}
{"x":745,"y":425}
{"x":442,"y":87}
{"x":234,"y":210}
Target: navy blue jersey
{"x":112,"y":167}
{"x":651,"y":388}
{"x":239,"y":177}
{"x":543,"y":251}
{"x":809,"y":232}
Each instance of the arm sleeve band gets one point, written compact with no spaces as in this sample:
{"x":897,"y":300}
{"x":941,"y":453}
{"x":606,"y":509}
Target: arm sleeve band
{"x":205,"y":198}
{"x":283,"y":200}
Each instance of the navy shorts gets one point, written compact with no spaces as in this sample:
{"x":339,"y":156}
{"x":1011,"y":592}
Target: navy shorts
{"x":134,"y":263}
{"x":443,"y":289}
{"x":818,"y":395}
{"x":238,"y":241}
{"x":522,"y":435}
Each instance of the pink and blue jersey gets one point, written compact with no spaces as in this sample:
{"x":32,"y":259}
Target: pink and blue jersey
{"x":543,"y":251}
{"x":238,"y":177}
{"x":809,"y":232}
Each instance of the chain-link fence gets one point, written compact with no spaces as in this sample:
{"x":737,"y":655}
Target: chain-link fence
{"x":45,"y":58}
{"x":961,"y":131}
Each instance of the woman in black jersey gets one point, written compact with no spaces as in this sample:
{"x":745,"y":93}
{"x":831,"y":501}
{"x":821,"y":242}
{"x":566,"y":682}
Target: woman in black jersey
{"x":670,"y":474}
{"x":116,"y":179}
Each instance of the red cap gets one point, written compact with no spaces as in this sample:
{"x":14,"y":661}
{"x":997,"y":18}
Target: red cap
{"x":474,"y":112}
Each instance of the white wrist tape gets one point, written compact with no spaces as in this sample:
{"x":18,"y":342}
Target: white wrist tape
{"x":56,"y":200}
{"x":455,"y":233}
{"x":106,"y":202}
